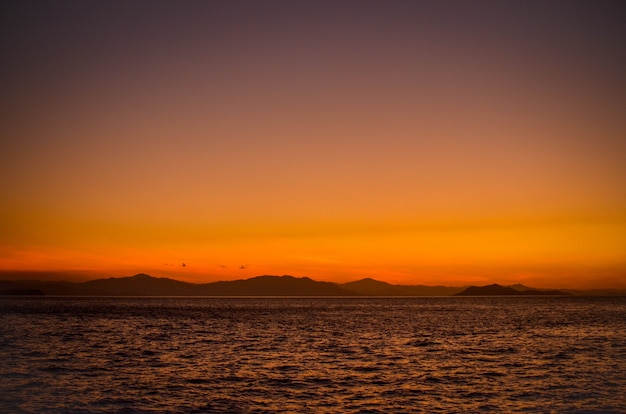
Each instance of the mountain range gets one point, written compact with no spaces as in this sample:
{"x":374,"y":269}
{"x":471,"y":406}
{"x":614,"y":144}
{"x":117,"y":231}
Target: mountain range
{"x":145,"y":285}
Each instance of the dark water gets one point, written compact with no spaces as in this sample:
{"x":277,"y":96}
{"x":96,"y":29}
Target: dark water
{"x":316,"y":355}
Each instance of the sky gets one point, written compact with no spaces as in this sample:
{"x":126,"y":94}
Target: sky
{"x":414,"y":142}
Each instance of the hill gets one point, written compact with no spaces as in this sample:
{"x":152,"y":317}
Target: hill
{"x":139,"y":285}
{"x":274,"y":286}
{"x":497,"y":290}
{"x":372,"y":287}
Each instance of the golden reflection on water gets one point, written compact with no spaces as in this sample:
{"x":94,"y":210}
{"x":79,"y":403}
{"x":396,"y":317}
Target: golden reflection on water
{"x":313,"y":355}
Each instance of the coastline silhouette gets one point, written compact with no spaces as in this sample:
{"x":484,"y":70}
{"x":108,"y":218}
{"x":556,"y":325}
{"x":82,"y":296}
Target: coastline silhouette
{"x":146,"y":285}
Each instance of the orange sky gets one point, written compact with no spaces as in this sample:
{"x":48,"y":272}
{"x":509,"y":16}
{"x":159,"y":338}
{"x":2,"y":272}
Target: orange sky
{"x":412,"y":142}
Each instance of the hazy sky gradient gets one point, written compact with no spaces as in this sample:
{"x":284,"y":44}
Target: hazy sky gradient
{"x":434,"y":142}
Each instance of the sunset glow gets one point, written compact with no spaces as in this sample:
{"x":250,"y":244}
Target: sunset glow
{"x":436,"y":143}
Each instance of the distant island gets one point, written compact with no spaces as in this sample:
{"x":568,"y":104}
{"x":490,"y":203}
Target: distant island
{"x":145,"y":285}
{"x":497,"y":290}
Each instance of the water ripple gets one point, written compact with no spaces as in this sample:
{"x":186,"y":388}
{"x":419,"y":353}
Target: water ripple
{"x":309,"y":355}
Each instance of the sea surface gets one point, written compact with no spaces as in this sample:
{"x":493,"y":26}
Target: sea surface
{"x":313,"y":355}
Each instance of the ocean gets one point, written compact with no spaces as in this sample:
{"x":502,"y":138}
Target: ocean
{"x":312,"y":355}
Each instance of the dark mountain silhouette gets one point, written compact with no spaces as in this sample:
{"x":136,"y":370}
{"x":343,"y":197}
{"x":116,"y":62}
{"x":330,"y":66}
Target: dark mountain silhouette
{"x":497,"y":290}
{"x":519,"y":286}
{"x":372,"y":287}
{"x":488,"y":291}
{"x":275,"y":286}
{"x":145,"y":285}
{"x":140,"y":285}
